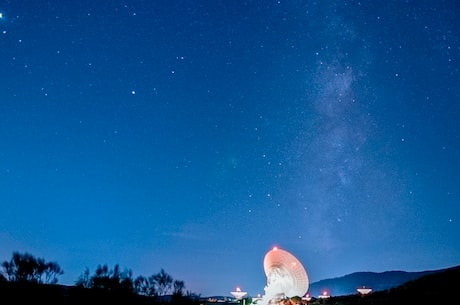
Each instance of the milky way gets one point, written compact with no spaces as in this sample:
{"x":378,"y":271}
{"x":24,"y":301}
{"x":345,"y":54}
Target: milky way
{"x":195,"y":136}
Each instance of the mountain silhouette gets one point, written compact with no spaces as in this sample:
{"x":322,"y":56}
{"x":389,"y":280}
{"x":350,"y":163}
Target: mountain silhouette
{"x":377,"y":281}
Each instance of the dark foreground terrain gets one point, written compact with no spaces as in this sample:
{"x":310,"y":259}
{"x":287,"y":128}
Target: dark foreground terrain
{"x":29,"y":293}
{"x":434,"y":288}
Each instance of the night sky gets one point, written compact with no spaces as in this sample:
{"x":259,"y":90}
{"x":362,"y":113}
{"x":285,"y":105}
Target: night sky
{"x":194,"y":136}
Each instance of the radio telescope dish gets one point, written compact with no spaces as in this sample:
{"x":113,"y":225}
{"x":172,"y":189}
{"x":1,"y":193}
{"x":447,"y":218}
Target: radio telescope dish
{"x":285,"y":274}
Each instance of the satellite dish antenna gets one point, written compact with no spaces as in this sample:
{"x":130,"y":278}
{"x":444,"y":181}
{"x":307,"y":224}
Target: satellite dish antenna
{"x":285,"y":275}
{"x":238,"y":294}
{"x":364,"y":290}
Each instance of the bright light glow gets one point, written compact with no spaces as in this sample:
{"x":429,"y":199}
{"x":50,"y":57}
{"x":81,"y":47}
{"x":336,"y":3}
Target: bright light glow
{"x":285,"y":275}
{"x":364,"y":290}
{"x":238,"y":294}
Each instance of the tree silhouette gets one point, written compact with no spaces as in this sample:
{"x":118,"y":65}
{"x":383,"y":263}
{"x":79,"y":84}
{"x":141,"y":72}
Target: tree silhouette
{"x":108,"y":280}
{"x":178,"y":288}
{"x":142,"y":286}
{"x":84,"y":280}
{"x":24,"y":267}
{"x":162,"y":282}
{"x":51,"y":272}
{"x":105,"y":285}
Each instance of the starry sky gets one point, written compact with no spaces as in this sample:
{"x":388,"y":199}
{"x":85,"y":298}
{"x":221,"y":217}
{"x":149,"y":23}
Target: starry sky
{"x":194,"y":136}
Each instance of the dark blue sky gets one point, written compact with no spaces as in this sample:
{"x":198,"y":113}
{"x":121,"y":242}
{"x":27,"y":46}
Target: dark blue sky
{"x":195,"y":135}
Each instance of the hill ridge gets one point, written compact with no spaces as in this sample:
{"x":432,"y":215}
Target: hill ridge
{"x":378,"y":281}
